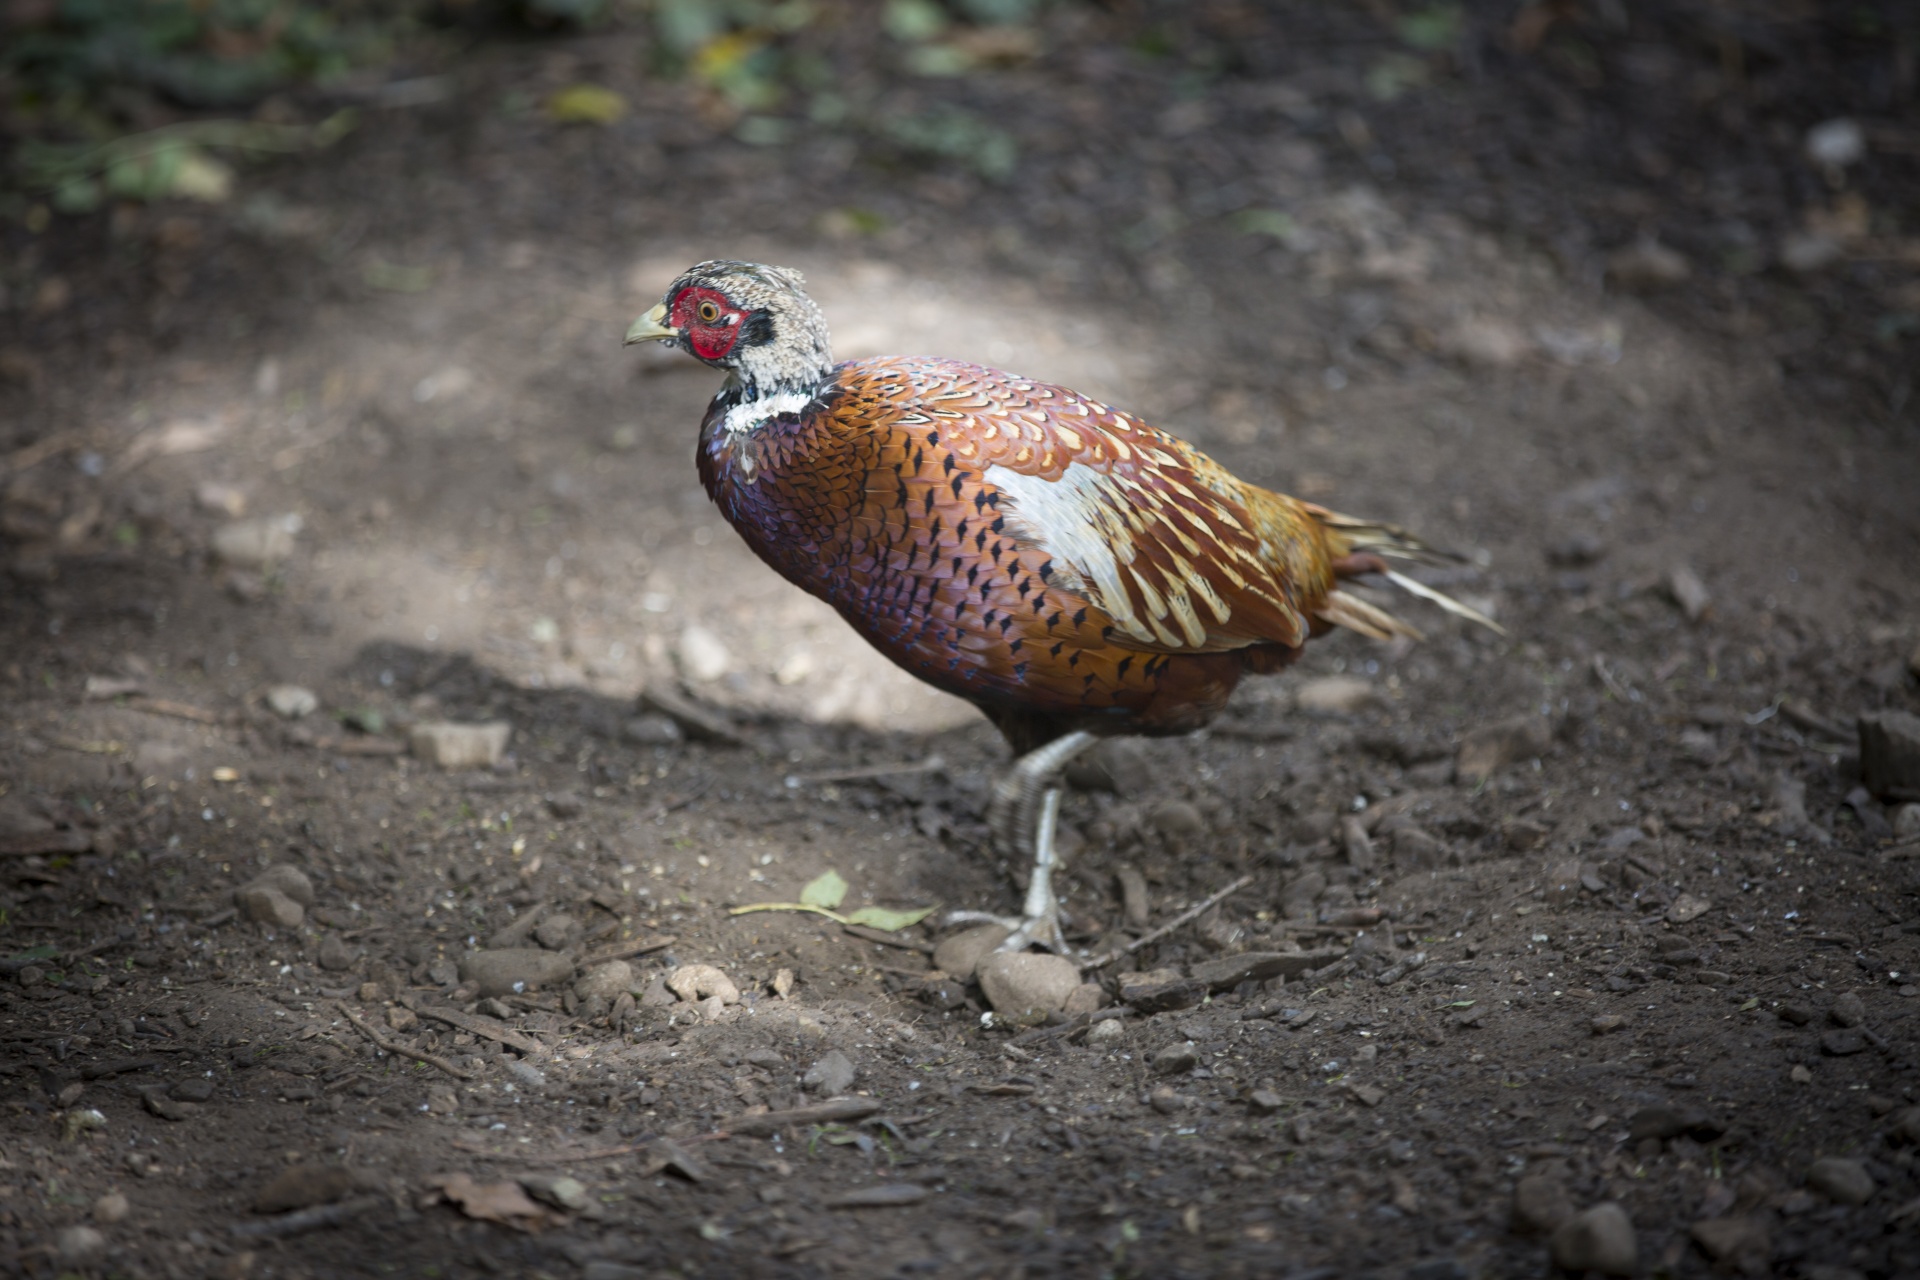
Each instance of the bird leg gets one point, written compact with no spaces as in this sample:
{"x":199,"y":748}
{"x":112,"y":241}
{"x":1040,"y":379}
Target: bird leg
{"x":1023,"y":815}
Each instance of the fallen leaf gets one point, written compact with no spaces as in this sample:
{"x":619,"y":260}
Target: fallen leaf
{"x":891,"y":921}
{"x":826,"y":890}
{"x":586,"y":104}
{"x":502,"y":1202}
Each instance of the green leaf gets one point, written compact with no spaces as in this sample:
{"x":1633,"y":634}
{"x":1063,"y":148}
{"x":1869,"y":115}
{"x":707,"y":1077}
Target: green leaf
{"x":586,"y":104}
{"x":891,"y":921}
{"x":827,"y":890}
{"x":41,"y":952}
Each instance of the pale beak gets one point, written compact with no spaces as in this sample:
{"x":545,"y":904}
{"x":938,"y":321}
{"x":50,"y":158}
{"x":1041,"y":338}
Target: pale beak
{"x":648,"y":328}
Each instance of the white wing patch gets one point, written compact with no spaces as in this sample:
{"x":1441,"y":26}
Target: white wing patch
{"x":1089,"y":530}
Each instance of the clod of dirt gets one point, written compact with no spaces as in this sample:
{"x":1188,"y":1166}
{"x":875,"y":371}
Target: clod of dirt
{"x":1906,"y":1127}
{"x":1333,"y":696}
{"x":1663,"y":1123}
{"x":693,"y":982}
{"x":1106,"y":1031}
{"x":1840,"y":1180}
{"x":268,"y":906}
{"x":1848,"y":1010}
{"x":289,"y":882}
{"x":513,"y":969}
{"x":958,"y":955}
{"x":198,"y":1089}
{"x":303,"y":1185}
{"x":1646,"y":267}
{"x":1606,"y":1023}
{"x":258,"y":543}
{"x":1024,"y":987}
{"x":1597,"y":1239}
{"x":157,"y":1101}
{"x":1540,"y":1204}
{"x":291,"y":701}
{"x":557,"y":932}
{"x":78,"y":1246}
{"x":832,"y":1075}
{"x":605,"y":980}
{"x":1742,"y":1243}
{"x":1687,"y":908}
{"x":1178,"y":821}
{"x":460,"y":746}
{"x":1487,"y":750}
{"x":1842,"y":1042}
{"x":1890,"y":755}
{"x":111,"y":1208}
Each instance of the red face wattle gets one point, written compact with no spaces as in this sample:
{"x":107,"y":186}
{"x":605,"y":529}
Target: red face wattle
{"x":710,"y":322}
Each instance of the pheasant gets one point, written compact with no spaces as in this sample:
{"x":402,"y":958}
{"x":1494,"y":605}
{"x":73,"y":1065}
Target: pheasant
{"x":1070,"y":570}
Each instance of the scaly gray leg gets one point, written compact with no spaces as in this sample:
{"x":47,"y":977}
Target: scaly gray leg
{"x":1023,"y":815}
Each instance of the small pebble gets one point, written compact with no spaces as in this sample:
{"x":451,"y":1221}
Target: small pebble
{"x":1742,"y":1242}
{"x":557,"y":931}
{"x":702,"y":655}
{"x":335,"y":955}
{"x":78,"y":1246}
{"x":1540,"y":1204}
{"x":1607,"y":1022}
{"x":1024,"y":987}
{"x":1840,"y":1180}
{"x":1598,"y":1239}
{"x":1264,"y":1102}
{"x":197,"y":1089}
{"x":558,"y":1190}
{"x":1106,"y":1031}
{"x":1842,"y":1042}
{"x":258,"y":543}
{"x":292,"y":701}
{"x":830,"y":1076}
{"x":460,"y":746}
{"x":304,"y":1185}
{"x":1848,"y":1010}
{"x":606,"y":980}
{"x":1334,"y":695}
{"x":1175,"y":1059}
{"x":111,"y":1208}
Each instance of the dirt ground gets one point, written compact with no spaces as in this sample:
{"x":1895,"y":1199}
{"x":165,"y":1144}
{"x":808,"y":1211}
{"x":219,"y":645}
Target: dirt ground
{"x":1595,"y":913}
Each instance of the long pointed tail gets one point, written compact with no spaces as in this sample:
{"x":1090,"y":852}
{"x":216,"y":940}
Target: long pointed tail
{"x":1363,"y":546}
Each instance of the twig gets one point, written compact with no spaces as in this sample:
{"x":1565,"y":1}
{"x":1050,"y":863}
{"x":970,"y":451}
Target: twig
{"x":288,"y":1224}
{"x":627,"y":950}
{"x":399,"y":1049}
{"x":886,"y":939}
{"x":929,"y":765}
{"x":1185,"y":917}
{"x":178,"y":710}
{"x":486,"y":1027}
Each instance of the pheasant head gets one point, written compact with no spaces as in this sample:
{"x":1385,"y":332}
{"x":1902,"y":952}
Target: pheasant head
{"x":754,"y":321}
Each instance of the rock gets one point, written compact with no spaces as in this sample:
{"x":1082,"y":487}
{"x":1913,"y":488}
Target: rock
{"x":959,"y":954}
{"x":1742,"y":1243}
{"x":289,"y":880}
{"x":1835,"y":144}
{"x":781,"y":983}
{"x":1088,"y":997}
{"x":1488,"y":749}
{"x":258,"y":543}
{"x":1175,"y":1059}
{"x":335,"y":955}
{"x":1598,"y":1239}
{"x":267,"y":905}
{"x":1265,"y":1102}
{"x":196,"y":1089}
{"x":78,"y":1246}
{"x":111,"y":1208}
{"x":1135,"y":901}
{"x":1906,"y":1127}
{"x":701,"y":982}
{"x":1662,"y":1123}
{"x":1793,"y":1014}
{"x":604,"y":980}
{"x":1367,"y":1095}
{"x":1563,"y":882}
{"x":291,"y":701}
{"x":1686,"y":908}
{"x":1334,"y":696}
{"x":557,"y":931}
{"x":652,"y":730}
{"x":565,"y":805}
{"x":1691,"y":594}
{"x":1805,"y":252}
{"x":460,"y":746}
{"x":1890,"y":755}
{"x":1840,"y":1180}
{"x":510,"y":970}
{"x":1906,"y":822}
{"x":1540,"y":1204}
{"x":1646,"y":267}
{"x":1842,"y":1043}
{"x":1160,"y":991}
{"x":1224,"y":973}
{"x":1848,"y":1010}
{"x":304,"y":1185}
{"x":558,"y":1190}
{"x":1024,"y":987}
{"x":1607,"y":1023}
{"x":1486,"y":341}
{"x":157,"y":1101}
{"x":401,"y":1018}
{"x":1106,"y":1031}
{"x":701,"y":655}
{"x":832,"y":1075}
{"x":1178,"y":821}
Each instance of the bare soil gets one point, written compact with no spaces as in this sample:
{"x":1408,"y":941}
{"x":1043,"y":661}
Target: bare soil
{"x":1696,"y":509}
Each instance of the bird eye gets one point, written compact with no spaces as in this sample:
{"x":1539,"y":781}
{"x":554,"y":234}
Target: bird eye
{"x":709,"y":312}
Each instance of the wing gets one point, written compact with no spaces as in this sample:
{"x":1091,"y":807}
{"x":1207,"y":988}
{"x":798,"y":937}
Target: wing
{"x":1181,"y":556}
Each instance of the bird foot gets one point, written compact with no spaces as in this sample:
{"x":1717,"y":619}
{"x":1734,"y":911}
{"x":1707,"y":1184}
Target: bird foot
{"x":1041,"y":931}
